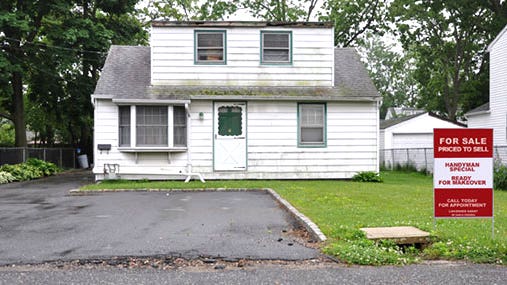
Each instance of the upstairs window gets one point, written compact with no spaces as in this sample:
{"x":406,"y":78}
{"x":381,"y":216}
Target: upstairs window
{"x":210,"y":47}
{"x":276,"y":47}
{"x":312,"y":125}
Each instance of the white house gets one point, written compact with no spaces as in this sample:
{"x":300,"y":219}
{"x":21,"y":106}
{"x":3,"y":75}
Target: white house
{"x":494,"y":113}
{"x":235,"y":100}
{"x":415,"y":131}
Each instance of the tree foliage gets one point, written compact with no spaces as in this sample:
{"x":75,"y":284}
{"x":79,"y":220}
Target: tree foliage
{"x":355,"y":18}
{"x":189,"y":10}
{"x":391,"y":71}
{"x":52,"y":55}
{"x":448,"y":39}
{"x":281,"y":10}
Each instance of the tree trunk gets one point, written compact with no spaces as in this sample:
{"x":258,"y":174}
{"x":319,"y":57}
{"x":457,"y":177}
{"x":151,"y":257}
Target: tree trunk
{"x":18,"y":116}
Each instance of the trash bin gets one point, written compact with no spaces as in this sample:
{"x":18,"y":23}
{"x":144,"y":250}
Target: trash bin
{"x":82,"y":161}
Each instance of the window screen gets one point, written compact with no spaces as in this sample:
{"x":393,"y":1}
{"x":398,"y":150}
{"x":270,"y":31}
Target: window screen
{"x":276,"y":47}
{"x":210,"y":47}
{"x":180,"y":126}
{"x":229,"y":121}
{"x":151,"y":124}
{"x":312,"y":124}
{"x":124,"y":125}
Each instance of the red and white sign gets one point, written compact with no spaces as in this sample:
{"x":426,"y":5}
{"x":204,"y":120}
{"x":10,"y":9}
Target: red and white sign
{"x":463,"y":173}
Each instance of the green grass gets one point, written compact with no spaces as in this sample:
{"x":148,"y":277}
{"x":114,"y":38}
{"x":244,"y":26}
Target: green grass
{"x":340,"y":208}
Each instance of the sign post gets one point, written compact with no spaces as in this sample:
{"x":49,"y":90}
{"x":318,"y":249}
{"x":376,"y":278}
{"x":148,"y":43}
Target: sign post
{"x":463,"y":173}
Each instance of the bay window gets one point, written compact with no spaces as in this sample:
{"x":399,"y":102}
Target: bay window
{"x":152,"y":126}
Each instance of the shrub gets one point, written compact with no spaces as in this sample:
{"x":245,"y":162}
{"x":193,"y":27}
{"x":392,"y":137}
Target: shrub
{"x":33,"y":168}
{"x":499,"y":175}
{"x":47,"y":168}
{"x":6,"y":177}
{"x":22,"y":172}
{"x":367,"y":176}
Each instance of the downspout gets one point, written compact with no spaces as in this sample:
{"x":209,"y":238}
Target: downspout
{"x":189,"y":173}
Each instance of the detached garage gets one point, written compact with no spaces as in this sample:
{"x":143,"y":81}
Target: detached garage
{"x":409,"y":140}
{"x":415,"y":131}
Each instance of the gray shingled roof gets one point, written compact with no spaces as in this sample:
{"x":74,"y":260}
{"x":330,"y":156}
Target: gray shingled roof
{"x":351,"y":75}
{"x":126,"y":72}
{"x":126,"y":75}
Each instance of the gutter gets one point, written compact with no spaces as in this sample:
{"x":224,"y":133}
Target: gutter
{"x":285,"y":98}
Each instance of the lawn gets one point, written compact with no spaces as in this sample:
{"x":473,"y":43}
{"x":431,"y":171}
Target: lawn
{"x":340,"y":208}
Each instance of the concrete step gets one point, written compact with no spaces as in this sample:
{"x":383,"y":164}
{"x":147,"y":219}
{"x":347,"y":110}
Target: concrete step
{"x":400,"y":235}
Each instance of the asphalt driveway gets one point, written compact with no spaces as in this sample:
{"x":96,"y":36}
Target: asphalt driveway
{"x":40,"y":222}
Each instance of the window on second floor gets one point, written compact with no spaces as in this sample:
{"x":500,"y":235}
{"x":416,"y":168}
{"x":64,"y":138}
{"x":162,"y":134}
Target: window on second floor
{"x":210,"y":47}
{"x":276,"y":47}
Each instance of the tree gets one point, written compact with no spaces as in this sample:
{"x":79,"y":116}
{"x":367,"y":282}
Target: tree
{"x":20,"y":22}
{"x":355,"y":18}
{"x":281,"y":10}
{"x":449,"y":40}
{"x":189,"y":10}
{"x":53,"y":52}
{"x":392,"y":73}
{"x":77,"y":40}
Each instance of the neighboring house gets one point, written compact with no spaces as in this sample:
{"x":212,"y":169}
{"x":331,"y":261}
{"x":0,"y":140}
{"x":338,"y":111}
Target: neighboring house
{"x":494,"y":113}
{"x":397,"y":112}
{"x":415,"y":131}
{"x":236,"y":100}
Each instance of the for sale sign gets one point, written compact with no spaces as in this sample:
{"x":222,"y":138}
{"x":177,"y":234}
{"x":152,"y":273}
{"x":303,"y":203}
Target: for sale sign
{"x":463,"y":173}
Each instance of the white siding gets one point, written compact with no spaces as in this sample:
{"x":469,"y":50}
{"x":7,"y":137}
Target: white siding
{"x":272,"y":144}
{"x":420,"y":140}
{"x":498,"y":91}
{"x":172,"y":59}
{"x":478,"y":121}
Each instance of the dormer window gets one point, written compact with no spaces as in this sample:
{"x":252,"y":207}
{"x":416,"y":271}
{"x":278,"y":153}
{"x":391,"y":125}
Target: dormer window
{"x":276,"y":47}
{"x":210,"y":47}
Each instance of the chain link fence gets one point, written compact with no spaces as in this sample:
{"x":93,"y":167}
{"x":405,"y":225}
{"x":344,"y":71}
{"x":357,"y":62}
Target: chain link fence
{"x":63,"y":157}
{"x":422,"y":158}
